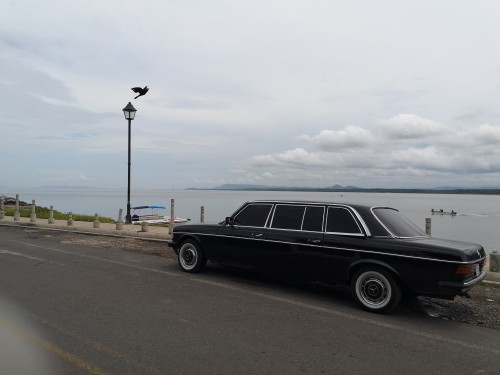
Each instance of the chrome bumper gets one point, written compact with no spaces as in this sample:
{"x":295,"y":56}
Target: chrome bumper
{"x":457,"y":288}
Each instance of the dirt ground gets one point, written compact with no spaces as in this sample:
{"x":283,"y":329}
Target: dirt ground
{"x":483,"y":308}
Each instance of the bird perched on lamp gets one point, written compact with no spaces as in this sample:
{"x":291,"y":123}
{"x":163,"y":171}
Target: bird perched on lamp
{"x":141,"y":91}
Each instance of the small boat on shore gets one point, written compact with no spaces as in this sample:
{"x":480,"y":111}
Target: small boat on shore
{"x":442,"y":212}
{"x":153,"y":215}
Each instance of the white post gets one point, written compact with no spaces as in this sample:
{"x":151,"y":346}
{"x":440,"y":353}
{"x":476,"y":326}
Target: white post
{"x":428,"y":226}
{"x":494,"y":261}
{"x":2,"y":208}
{"x":51,"y":215}
{"x":70,"y":219}
{"x":96,"y":221}
{"x":172,"y":216}
{"x":17,"y":215}
{"x":119,"y":223}
{"x":33,"y":212}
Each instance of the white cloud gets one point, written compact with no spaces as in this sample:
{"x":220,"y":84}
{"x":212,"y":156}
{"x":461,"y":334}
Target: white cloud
{"x":378,"y":158}
{"x":293,"y":88}
{"x":410,"y":126}
{"x":486,"y":135}
{"x":351,"y":137}
{"x":298,"y":158}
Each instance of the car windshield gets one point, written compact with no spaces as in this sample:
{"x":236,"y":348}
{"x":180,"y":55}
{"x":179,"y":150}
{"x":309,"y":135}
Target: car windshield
{"x":397,"y":224}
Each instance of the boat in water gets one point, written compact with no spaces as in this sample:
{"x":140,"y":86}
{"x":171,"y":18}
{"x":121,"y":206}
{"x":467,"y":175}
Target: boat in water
{"x":442,"y":212}
{"x":153,"y":215}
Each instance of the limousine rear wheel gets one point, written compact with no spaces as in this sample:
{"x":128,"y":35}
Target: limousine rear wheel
{"x":376,"y":290}
{"x":191,"y":258}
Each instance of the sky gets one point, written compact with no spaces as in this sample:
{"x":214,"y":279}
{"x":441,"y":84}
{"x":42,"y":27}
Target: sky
{"x":312,"y":93}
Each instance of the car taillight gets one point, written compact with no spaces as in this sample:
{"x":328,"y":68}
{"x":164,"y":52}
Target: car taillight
{"x":465,"y":270}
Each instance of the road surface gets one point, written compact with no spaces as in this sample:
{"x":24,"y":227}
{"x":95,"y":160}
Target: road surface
{"x":69,"y":308}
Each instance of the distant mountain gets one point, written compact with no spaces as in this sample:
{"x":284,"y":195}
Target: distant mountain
{"x":67,"y":187}
{"x":340,"y":187}
{"x":284,"y":188}
{"x":244,"y":187}
{"x":266,"y":187}
{"x":448,"y":188}
{"x":336,"y":187}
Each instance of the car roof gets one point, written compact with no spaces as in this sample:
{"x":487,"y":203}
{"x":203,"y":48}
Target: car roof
{"x":293,"y":201}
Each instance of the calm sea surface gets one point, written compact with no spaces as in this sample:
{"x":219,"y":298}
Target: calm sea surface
{"x":478,"y":218}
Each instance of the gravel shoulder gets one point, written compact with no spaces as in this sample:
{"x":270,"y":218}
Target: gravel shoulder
{"x":483,"y":308}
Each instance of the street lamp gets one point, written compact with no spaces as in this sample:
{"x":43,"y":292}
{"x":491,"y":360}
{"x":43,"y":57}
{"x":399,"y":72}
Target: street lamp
{"x":129,"y":112}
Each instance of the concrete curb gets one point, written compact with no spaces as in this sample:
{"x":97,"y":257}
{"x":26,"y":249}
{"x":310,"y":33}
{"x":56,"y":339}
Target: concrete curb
{"x":493,"y":277}
{"x":133,"y":231}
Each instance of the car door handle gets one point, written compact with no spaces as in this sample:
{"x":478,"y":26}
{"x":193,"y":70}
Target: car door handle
{"x":313,"y":240}
{"x":257,"y":234}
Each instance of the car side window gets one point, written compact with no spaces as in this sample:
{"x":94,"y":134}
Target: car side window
{"x":253,"y":215}
{"x":288,"y":217}
{"x":340,"y":220}
{"x":313,"y":219}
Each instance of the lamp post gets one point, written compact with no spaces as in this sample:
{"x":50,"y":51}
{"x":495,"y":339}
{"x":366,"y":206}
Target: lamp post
{"x":129,"y":112}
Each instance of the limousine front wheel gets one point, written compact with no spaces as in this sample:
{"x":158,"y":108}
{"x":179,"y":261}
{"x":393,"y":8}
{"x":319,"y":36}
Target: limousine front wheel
{"x":191,"y":258}
{"x":375,"y":290}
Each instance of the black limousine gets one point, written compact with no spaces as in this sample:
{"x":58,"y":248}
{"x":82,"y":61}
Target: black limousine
{"x":375,"y":250}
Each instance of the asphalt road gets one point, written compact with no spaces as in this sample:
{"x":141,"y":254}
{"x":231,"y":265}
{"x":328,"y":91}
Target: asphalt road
{"x":68,"y":308}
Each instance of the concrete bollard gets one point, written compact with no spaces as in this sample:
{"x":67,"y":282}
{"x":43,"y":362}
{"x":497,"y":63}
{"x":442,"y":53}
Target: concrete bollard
{"x":70,"y":219}
{"x":172,"y":216}
{"x":17,"y":215}
{"x":96,"y":221}
{"x":33,"y":212}
{"x":51,"y":215}
{"x":495,"y":261}
{"x":2,"y":208}
{"x":144,"y":226}
{"x":119,"y":223}
{"x":428,"y":226}
{"x":202,"y":214}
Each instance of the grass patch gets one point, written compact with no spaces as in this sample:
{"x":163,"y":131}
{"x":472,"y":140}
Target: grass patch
{"x":44,"y":213}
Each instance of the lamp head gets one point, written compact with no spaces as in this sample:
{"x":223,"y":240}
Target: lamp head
{"x":129,"y":111}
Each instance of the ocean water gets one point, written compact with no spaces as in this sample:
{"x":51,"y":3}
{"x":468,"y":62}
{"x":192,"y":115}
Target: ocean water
{"x":478,"y":218}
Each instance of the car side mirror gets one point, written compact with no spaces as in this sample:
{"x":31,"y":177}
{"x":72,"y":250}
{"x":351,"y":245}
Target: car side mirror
{"x":229,"y":221}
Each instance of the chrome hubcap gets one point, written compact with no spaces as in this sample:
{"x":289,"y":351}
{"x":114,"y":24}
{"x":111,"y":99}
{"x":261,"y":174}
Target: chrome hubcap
{"x":373,"y":289}
{"x":188,"y":256}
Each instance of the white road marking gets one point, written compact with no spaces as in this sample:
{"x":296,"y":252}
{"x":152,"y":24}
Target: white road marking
{"x":21,"y":255}
{"x":93,"y":257}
